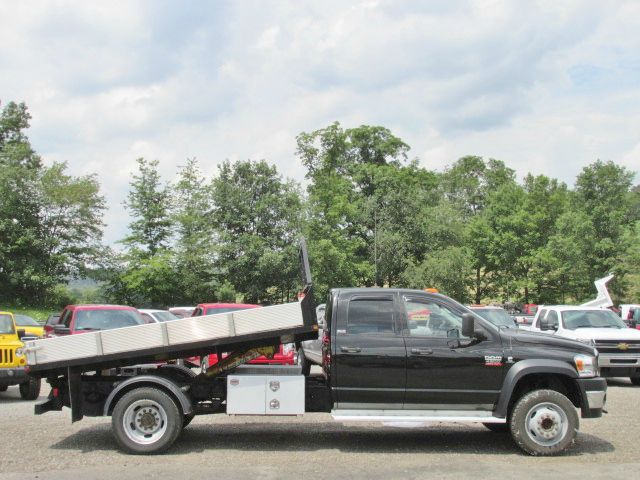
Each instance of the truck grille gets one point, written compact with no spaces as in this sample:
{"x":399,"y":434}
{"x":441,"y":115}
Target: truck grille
{"x":6,"y":356}
{"x":618,"y":346}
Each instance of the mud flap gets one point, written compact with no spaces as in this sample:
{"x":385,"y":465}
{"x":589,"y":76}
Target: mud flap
{"x":74,"y":377}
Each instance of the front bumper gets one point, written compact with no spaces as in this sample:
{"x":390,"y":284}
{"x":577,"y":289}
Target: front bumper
{"x":13,"y":376}
{"x":619,"y":365}
{"x":593,"y":392}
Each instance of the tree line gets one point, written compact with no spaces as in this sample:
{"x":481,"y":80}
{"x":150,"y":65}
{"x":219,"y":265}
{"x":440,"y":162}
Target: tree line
{"x":371,"y":216}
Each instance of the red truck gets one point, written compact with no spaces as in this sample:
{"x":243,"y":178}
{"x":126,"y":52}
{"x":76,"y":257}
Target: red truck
{"x":85,"y":318}
{"x":286,"y":354}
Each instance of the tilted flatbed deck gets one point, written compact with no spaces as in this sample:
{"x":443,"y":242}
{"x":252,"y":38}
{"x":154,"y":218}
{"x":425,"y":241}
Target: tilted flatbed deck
{"x":157,"y":342}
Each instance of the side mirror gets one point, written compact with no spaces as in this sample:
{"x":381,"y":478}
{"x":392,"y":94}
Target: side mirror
{"x":61,"y":330}
{"x":21,"y":333}
{"x":468,"y":325}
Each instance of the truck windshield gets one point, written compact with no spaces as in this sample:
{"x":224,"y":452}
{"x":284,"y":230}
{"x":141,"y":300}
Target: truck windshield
{"x":497,"y":316}
{"x":6,"y":324}
{"x":165,"y":316}
{"x":26,"y":321}
{"x":106,"y":319}
{"x":591,"y":319}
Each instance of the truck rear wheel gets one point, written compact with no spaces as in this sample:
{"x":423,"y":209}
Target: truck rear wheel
{"x":146,"y":420}
{"x":544,"y":422}
{"x":635,"y":380}
{"x":3,"y":388}
{"x":30,"y":390}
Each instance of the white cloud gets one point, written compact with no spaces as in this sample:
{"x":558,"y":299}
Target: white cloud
{"x":546,"y":86}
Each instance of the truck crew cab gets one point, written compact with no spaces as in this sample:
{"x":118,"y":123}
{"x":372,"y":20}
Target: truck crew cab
{"x":389,"y":355}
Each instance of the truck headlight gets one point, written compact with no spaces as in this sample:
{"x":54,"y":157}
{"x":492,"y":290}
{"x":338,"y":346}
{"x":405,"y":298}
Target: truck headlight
{"x":588,"y":341}
{"x":586,"y":365}
{"x":19,"y":352}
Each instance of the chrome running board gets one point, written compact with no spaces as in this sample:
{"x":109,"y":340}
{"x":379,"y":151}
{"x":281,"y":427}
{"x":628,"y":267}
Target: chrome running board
{"x":463,"y":416}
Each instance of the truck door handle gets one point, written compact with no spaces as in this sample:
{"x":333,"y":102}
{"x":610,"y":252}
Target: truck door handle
{"x":421,"y":351}
{"x":350,"y":349}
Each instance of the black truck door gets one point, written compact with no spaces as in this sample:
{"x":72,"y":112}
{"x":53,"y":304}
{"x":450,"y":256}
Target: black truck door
{"x":445,"y":371}
{"x":369,"y":355}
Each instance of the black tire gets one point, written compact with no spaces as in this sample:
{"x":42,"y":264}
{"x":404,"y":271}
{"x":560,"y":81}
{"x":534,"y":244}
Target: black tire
{"x":544,"y":422}
{"x":3,"y":388}
{"x":154,"y":407}
{"x":635,"y":381}
{"x":498,"y":427}
{"x":305,"y":365}
{"x":30,"y":390}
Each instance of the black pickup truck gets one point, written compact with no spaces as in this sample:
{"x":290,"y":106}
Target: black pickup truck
{"x":415,"y":356}
{"x":389,"y":355}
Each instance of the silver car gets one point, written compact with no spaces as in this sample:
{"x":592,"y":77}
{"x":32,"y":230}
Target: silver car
{"x":310,"y":352}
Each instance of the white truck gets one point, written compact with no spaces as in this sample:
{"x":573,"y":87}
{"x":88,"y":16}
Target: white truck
{"x":593,"y":323}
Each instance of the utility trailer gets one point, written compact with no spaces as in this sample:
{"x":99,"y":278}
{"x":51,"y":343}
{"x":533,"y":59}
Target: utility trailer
{"x":127,"y":372}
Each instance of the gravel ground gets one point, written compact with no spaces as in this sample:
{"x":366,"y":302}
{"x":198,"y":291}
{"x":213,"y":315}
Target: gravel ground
{"x":312,"y":446}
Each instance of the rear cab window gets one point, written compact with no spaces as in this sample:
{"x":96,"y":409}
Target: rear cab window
{"x":371,"y":316}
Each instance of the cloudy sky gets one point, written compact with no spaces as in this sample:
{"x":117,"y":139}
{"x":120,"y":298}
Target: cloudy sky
{"x":548,"y":87}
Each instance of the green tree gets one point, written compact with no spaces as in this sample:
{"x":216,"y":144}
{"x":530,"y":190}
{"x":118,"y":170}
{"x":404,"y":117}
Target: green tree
{"x":146,"y":274}
{"x":361,"y":193}
{"x":258,"y":217}
{"x":194,"y":249}
{"x":603,"y":193}
{"x":149,"y":204}
{"x":50,"y":221}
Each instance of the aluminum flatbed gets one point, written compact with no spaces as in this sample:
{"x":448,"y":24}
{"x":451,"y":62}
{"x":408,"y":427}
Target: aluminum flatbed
{"x":157,"y":342}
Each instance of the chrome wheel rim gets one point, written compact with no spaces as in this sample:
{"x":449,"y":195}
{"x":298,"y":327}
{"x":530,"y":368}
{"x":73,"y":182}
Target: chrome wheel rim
{"x":547,"y":424}
{"x":145,"y":422}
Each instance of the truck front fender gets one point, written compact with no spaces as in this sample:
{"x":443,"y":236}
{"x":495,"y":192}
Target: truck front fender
{"x":184,"y":402}
{"x":527,"y":367}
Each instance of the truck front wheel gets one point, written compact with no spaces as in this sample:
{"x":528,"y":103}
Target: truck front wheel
{"x":635,"y":380}
{"x":146,"y":420}
{"x":3,"y":388}
{"x":544,"y":422}
{"x":30,"y":390}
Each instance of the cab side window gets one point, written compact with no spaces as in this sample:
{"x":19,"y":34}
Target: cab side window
{"x":66,"y":318}
{"x":370,"y":316}
{"x":540,"y":317}
{"x":430,"y":319}
{"x":552,"y":318}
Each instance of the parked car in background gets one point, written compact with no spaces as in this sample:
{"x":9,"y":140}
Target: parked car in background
{"x":214,"y":308}
{"x":286,"y":354}
{"x":310,"y":352}
{"x":29,"y":325}
{"x":634,"y":318}
{"x":627,"y":312}
{"x":85,"y":318}
{"x":156,"y":316}
{"x":496,"y":315}
{"x":54,"y":319}
{"x":182,"y":312}
{"x":13,"y":359}
{"x":618,"y":345}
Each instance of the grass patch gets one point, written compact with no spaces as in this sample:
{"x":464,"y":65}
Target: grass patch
{"x":38,"y":313}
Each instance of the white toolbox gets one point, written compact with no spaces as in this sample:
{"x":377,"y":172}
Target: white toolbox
{"x":269,"y":390}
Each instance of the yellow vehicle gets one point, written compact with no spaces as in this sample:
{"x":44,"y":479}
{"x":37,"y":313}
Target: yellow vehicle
{"x":13,"y":360}
{"x":29,"y":325}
